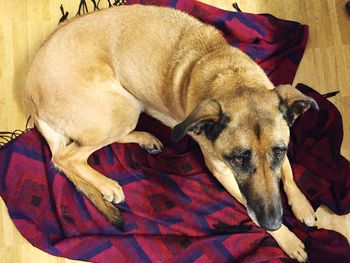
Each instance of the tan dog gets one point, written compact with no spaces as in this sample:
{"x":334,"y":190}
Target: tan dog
{"x":93,"y":77}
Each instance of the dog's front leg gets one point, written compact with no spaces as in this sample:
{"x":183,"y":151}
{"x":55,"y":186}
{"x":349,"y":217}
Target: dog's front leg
{"x":289,"y":243}
{"x":301,"y":207}
{"x":286,"y":239}
{"x":146,"y":141}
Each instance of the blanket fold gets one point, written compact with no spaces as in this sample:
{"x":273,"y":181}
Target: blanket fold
{"x":172,"y":201}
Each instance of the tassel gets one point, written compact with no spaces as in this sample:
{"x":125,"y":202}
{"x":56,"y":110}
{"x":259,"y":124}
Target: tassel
{"x":7,"y":136}
{"x":235,"y":6}
{"x":330,"y":94}
{"x":64,"y":15}
{"x":82,"y":7}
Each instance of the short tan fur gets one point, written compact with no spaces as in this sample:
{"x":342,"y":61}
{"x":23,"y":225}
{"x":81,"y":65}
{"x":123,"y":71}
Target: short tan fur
{"x":93,"y":77}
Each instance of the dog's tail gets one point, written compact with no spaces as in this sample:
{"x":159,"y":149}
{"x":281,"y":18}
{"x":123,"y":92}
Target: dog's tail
{"x":59,"y":144}
{"x":93,"y":194}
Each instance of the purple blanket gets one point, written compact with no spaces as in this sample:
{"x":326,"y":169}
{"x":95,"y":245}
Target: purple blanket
{"x":172,"y":201}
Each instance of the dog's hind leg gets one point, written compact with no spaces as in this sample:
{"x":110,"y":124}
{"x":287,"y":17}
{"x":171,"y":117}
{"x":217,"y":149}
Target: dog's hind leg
{"x":71,"y":158}
{"x":301,"y":207}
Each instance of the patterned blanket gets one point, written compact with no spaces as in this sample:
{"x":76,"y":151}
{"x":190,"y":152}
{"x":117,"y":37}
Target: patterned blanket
{"x":172,"y":200}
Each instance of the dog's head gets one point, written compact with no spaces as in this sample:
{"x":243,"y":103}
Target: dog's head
{"x":249,"y":131}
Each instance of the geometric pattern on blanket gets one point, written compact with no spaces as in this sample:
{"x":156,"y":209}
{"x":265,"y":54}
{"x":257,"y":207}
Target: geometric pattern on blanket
{"x":172,"y":200}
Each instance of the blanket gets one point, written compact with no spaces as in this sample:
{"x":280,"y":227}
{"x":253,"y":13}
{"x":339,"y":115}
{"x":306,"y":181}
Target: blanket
{"x":172,"y":201}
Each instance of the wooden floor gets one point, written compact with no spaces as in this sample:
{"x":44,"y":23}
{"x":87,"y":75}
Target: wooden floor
{"x":24,"y":25}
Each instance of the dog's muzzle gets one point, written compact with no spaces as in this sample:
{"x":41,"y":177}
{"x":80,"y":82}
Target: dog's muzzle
{"x":270,"y":220}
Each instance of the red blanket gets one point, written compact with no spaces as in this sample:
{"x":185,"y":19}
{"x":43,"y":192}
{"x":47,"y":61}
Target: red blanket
{"x":172,"y":201}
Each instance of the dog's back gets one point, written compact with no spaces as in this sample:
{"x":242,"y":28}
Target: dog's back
{"x":92,"y":78}
{"x":99,"y":48}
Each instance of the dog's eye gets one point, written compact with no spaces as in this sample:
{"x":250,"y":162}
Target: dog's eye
{"x":279,"y":153}
{"x":238,"y":160}
{"x":241,"y":158}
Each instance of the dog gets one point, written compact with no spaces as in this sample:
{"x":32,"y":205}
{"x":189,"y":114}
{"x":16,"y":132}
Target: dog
{"x":91,"y":79}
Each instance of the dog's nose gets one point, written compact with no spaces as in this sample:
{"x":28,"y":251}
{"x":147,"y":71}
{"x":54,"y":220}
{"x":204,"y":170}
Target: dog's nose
{"x":271,"y":220}
{"x":268,"y":221}
{"x":271,"y":224}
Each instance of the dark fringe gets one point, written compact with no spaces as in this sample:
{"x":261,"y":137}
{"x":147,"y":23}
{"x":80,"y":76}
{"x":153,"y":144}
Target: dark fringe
{"x":235,"y":6}
{"x":83,"y":8}
{"x":64,"y":15}
{"x":330,"y":94}
{"x":7,"y":136}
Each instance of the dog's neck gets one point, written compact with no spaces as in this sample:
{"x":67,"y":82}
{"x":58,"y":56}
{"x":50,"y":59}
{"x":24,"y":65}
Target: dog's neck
{"x":208,"y":65}
{"x":220,"y":73}
{"x":195,"y":44}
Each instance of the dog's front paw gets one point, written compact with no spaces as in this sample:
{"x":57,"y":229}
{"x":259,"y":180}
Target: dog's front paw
{"x":151,"y":144}
{"x":290,"y":243}
{"x":111,"y":191}
{"x":301,"y":207}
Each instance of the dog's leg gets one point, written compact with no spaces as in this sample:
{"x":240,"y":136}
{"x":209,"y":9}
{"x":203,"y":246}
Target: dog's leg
{"x":301,"y":207}
{"x":101,"y":190}
{"x":289,"y":243}
{"x":146,"y":141}
{"x":286,"y":239}
{"x":71,"y":159}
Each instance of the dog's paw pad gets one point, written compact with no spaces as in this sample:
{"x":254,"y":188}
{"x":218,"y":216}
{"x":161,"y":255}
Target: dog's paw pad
{"x":302,"y":208}
{"x":305,"y":213}
{"x":290,"y":244}
{"x":310,"y":221}
{"x":298,"y":253}
{"x":111,"y":191}
{"x":152,"y":145}
{"x":154,"y":149}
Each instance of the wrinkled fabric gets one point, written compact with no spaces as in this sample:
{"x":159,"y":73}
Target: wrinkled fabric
{"x":172,"y":200}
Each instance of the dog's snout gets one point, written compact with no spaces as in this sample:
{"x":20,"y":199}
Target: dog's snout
{"x":267,"y":217}
{"x":271,"y":224}
{"x":272,"y":218}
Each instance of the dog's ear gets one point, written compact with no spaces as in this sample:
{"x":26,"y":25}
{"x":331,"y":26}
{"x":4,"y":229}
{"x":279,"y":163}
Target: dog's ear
{"x":293,"y":103}
{"x":206,"y":118}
